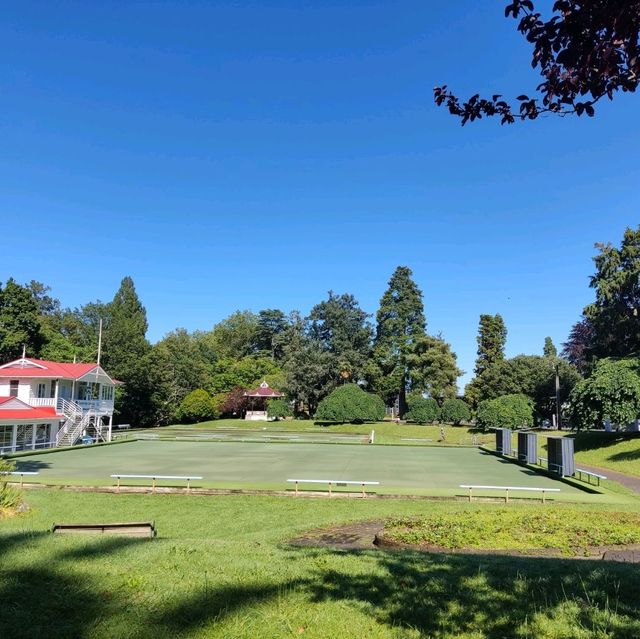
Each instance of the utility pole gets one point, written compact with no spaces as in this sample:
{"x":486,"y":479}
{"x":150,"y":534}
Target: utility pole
{"x":558,"y":422}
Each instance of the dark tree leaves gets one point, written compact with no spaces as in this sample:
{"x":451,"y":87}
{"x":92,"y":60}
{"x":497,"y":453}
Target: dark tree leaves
{"x":587,"y":50}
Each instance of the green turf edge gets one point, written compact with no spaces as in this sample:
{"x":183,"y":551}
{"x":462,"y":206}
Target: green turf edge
{"x":61,"y":449}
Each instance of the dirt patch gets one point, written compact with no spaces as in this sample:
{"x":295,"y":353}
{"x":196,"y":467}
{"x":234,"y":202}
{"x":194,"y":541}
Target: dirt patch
{"x":358,"y":535}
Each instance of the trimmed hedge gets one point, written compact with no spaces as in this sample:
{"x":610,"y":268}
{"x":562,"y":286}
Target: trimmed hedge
{"x":349,"y":403}
{"x":508,"y":411}
{"x":422,"y":410}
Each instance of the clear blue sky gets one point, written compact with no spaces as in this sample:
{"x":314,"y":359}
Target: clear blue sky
{"x":247,"y":155}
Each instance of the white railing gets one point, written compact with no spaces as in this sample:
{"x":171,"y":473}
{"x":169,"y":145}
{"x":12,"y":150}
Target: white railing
{"x":99,"y":405}
{"x":41,"y":401}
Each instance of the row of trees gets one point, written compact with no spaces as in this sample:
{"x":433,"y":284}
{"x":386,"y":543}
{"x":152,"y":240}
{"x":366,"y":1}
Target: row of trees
{"x":595,"y":378}
{"x":306,"y":357}
{"x":338,"y":343}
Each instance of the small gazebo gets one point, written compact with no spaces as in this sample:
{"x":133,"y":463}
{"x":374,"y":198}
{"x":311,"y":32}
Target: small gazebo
{"x":258,"y":400}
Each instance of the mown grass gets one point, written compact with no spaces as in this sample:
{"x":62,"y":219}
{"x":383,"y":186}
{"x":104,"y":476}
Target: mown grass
{"x":525,"y":529}
{"x":222,"y":567}
{"x":386,"y":432}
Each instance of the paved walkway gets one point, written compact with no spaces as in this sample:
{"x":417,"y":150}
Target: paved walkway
{"x":631,"y":482}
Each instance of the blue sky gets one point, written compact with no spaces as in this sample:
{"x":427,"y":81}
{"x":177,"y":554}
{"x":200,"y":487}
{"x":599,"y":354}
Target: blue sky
{"x":248,"y":155}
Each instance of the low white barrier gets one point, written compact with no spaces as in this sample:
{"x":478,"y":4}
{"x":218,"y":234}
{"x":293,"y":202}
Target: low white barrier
{"x":154,"y":478}
{"x":334,"y":482}
{"x":22,"y":473}
{"x":508,"y":488}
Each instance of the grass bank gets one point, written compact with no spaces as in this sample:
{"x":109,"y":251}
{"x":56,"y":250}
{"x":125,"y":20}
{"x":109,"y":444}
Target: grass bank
{"x":222,"y":567}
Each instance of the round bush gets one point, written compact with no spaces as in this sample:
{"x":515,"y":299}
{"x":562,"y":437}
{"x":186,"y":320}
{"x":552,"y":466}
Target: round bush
{"x":197,"y":406}
{"x":349,"y":403}
{"x":422,"y":410}
{"x":508,"y":411}
{"x":454,"y":411}
{"x":279,"y":409}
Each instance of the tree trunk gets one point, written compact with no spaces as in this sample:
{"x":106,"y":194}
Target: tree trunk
{"x":402,"y":398}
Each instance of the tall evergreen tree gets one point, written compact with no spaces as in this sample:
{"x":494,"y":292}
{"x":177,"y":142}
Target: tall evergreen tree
{"x":615,"y":314}
{"x":492,"y":336}
{"x":549,"y":349}
{"x":400,"y":322}
{"x":271,"y":323}
{"x":434,"y":368}
{"x":308,"y":368}
{"x":20,"y":324}
{"x":341,"y":328}
{"x":126,"y":356}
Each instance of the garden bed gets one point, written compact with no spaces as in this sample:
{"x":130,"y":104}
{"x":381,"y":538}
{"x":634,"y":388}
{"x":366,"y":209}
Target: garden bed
{"x":540,"y":532}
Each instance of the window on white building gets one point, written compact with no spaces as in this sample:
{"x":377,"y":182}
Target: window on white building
{"x":6,"y":437}
{"x":106,"y":393}
{"x":42,"y":390}
{"x":42,"y":433}
{"x":24,"y":436}
{"x":14,"y":384}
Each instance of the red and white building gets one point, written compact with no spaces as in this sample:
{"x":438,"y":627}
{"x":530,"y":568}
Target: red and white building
{"x":258,"y":402}
{"x":47,"y":404}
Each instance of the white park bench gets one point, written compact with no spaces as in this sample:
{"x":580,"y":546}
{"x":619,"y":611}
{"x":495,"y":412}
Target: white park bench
{"x":589,"y":475}
{"x":334,"y":482}
{"x":472,"y":487}
{"x":155,"y":478}
{"x":22,"y":473}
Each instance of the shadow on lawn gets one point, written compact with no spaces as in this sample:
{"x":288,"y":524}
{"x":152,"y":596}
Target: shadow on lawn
{"x":30,"y":465}
{"x":493,"y":597}
{"x":51,"y":599}
{"x":435,"y":595}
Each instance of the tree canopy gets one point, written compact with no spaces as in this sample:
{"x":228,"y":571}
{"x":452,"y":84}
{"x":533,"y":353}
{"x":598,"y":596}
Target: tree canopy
{"x":611,"y":392}
{"x":400,"y":321}
{"x":587,"y":50}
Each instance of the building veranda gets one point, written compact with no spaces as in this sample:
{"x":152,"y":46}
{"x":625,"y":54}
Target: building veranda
{"x":46,"y":404}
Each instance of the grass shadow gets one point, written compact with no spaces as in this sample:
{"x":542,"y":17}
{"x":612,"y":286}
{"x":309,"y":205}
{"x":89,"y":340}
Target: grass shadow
{"x":488,"y":596}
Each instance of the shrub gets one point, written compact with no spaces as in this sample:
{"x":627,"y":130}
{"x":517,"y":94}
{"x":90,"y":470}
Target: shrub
{"x":349,"y":403}
{"x":10,"y":498}
{"x":611,"y":392}
{"x":455,"y":411}
{"x":234,"y":403}
{"x":508,"y":411}
{"x":422,"y":410}
{"x":279,"y":409}
{"x":197,"y":406}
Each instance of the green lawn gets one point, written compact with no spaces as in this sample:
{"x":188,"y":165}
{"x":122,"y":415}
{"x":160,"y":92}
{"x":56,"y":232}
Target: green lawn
{"x":399,"y":469}
{"x":222,"y":568}
{"x":385,"y":432}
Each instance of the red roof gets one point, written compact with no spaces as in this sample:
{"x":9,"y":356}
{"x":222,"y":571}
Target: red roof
{"x":42,"y":368}
{"x":26,"y":412}
{"x":263,"y":391}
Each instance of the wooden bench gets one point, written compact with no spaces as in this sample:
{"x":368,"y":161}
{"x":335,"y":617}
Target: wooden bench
{"x":508,"y":488}
{"x":334,"y":482}
{"x":126,"y":529}
{"x":154,"y":479}
{"x":22,"y":473}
